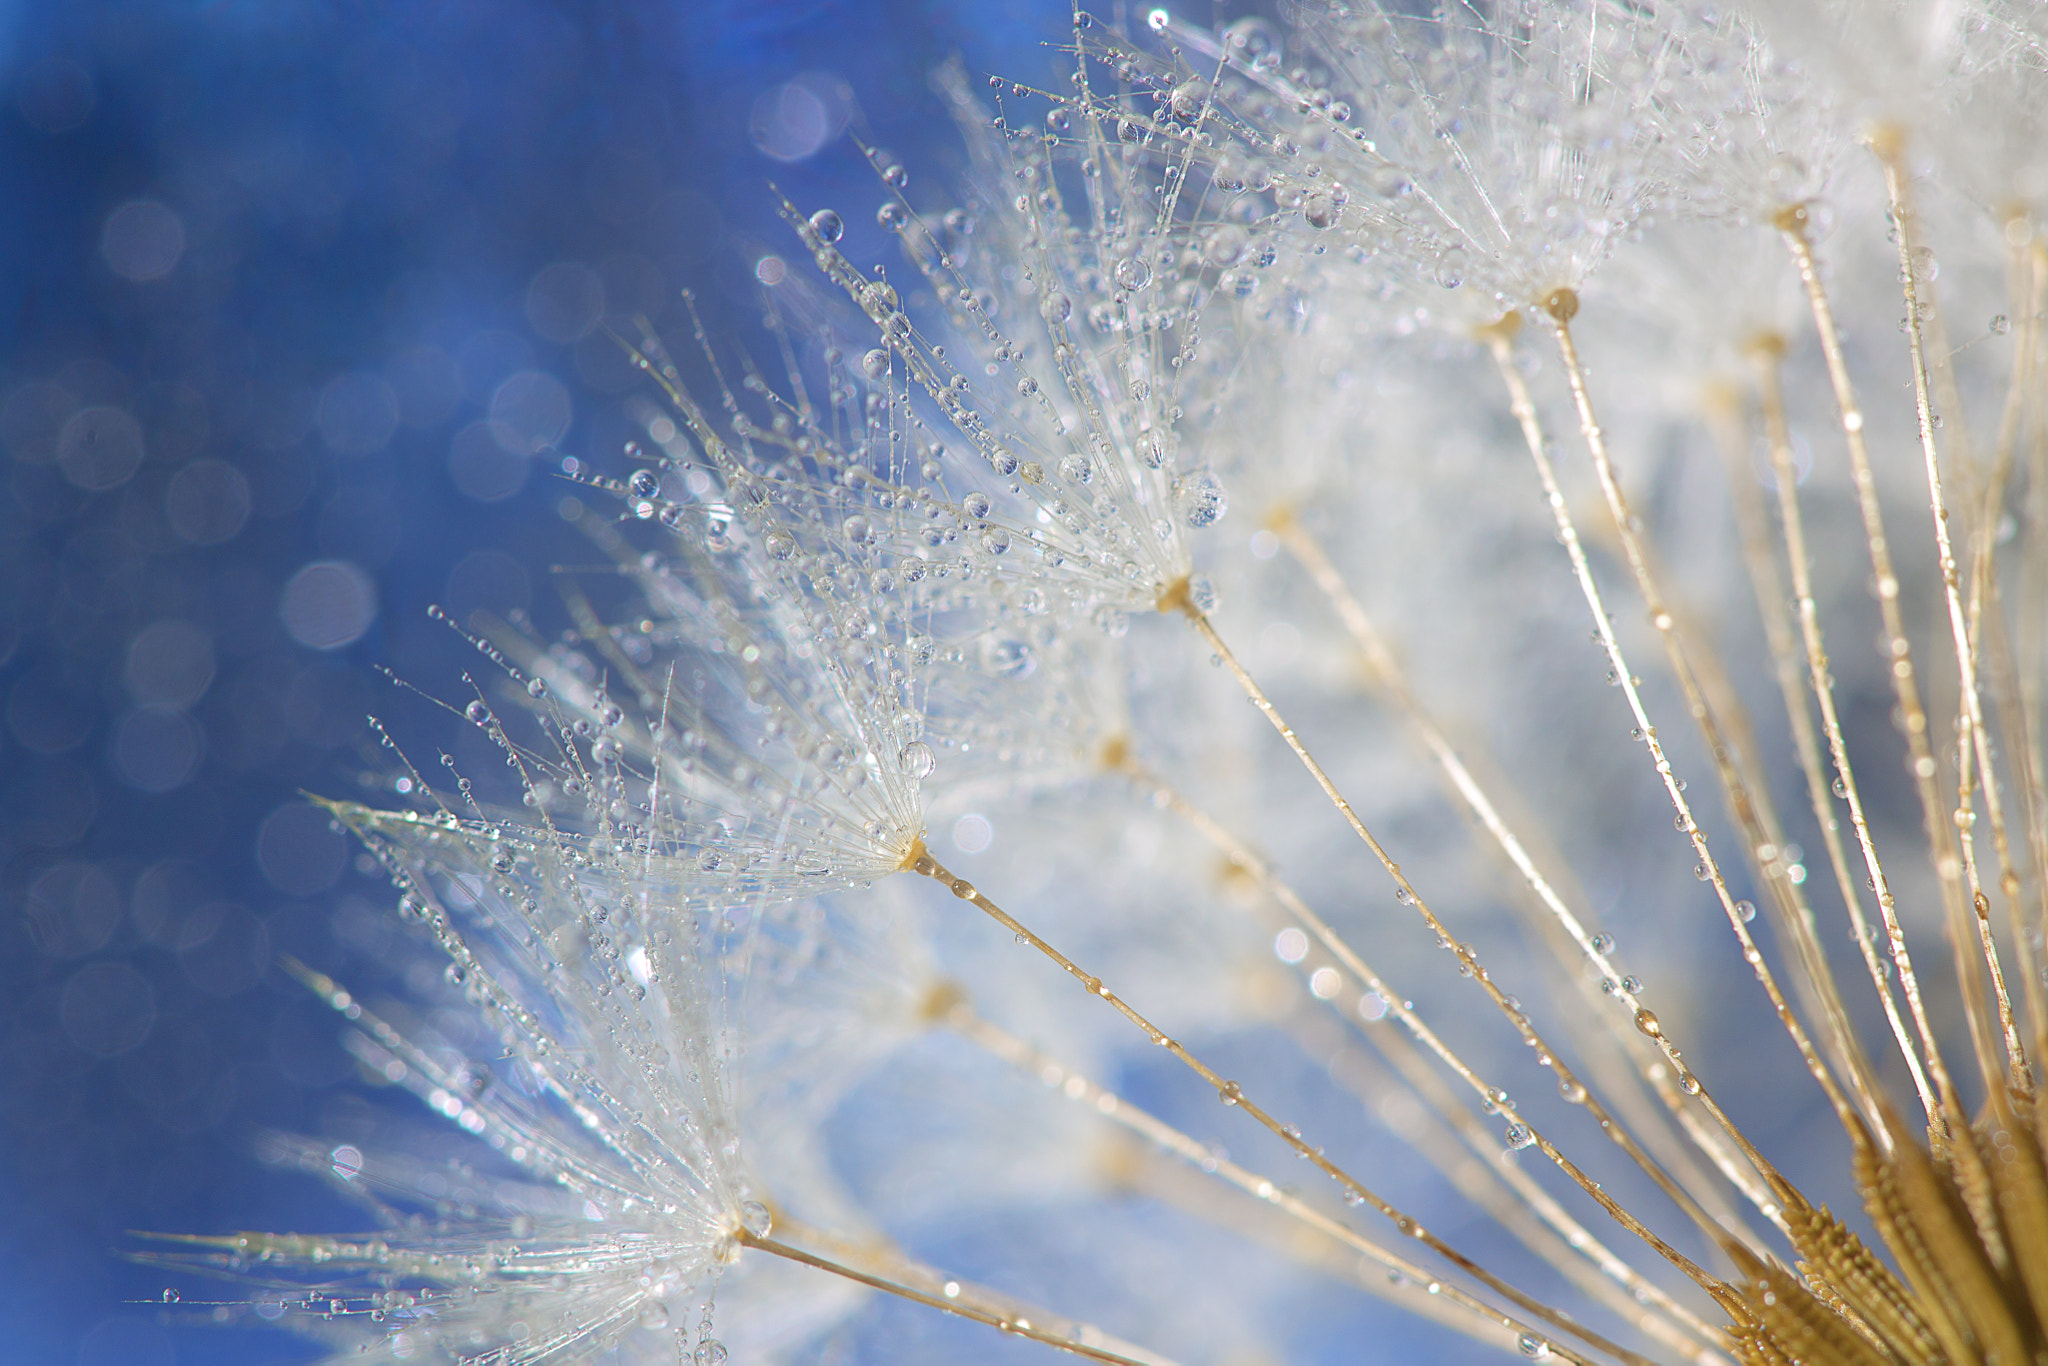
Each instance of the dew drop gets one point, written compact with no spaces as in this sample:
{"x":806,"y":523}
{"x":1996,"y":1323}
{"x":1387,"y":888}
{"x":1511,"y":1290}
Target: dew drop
{"x":829,"y":226}
{"x":917,"y":760}
{"x":1201,"y":499}
{"x":1133,"y":273}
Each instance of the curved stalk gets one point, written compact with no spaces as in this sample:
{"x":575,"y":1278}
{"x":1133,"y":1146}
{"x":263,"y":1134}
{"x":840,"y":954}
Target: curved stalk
{"x":1231,"y":1093}
{"x":962,"y":1019}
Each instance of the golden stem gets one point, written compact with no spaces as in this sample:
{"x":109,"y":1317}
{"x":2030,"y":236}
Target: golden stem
{"x":1972,"y":737}
{"x":963,"y":1020}
{"x":1232,"y":1094}
{"x":1247,"y":861}
{"x":1466,"y":787}
{"x":1792,"y":226}
{"x":1560,"y":313}
{"x":1989,"y":638}
{"x":1770,"y":602}
{"x":1018,"y":1325}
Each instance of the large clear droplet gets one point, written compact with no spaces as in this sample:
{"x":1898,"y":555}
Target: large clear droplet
{"x":829,"y":226}
{"x":917,"y":760}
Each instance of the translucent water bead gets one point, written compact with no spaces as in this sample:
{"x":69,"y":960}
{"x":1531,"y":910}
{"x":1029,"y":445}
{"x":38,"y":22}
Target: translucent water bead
{"x":1200,"y":499}
{"x":829,"y":226}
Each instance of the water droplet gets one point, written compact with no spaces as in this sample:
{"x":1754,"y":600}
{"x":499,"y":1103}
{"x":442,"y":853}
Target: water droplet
{"x":1450,"y":269}
{"x":857,"y":529}
{"x":875,"y":363}
{"x":171,"y":1296}
{"x":1133,"y":273}
{"x":892,"y":216}
{"x":1603,"y":944}
{"x":1533,"y":1347}
{"x":1076,"y":467}
{"x":755,"y":1219}
{"x":1230,"y":1093}
{"x":995,"y":540}
{"x":829,"y":226}
{"x":1573,"y":1092}
{"x":1201,"y":499}
{"x":1519,"y":1136}
{"x":917,"y":760}
{"x":2000,"y":325}
{"x":536,"y":687}
{"x":710,"y":1352}
{"x":1745,"y":911}
{"x":654,"y":1315}
{"x":644,"y":484}
{"x":478,"y":713}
